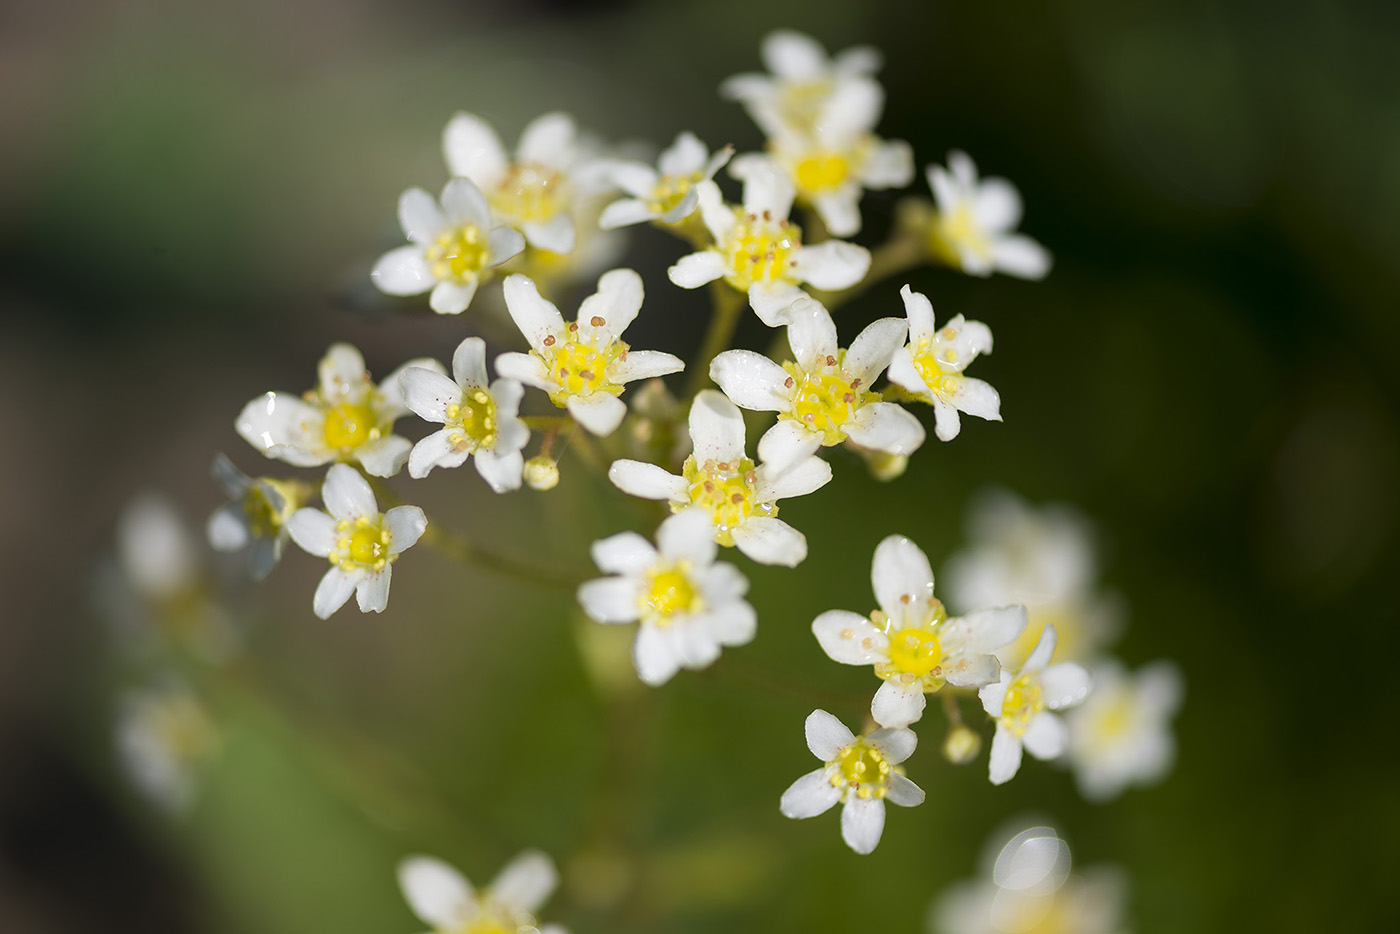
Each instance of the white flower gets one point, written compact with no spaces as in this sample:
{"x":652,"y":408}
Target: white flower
{"x":164,"y":736}
{"x":361,"y":542}
{"x":913,"y":644}
{"x":480,"y":419}
{"x":453,"y":247}
{"x":1022,"y":705}
{"x":535,"y":192}
{"x":666,"y":193}
{"x":584,"y":365}
{"x":441,"y":897}
{"x":930,"y":367}
{"x":759,"y":251}
{"x":860,"y":772}
{"x":975,"y":220}
{"x":1122,"y":735}
{"x":257,"y":517}
{"x":826,"y":395}
{"x":1043,"y":557}
{"x":802,"y":80}
{"x":740,"y":497}
{"x":157,"y":553}
{"x":346,"y":418}
{"x":688,"y":605}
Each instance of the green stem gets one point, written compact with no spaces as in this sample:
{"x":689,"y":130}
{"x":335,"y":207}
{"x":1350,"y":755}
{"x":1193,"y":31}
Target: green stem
{"x":456,"y":546}
{"x":728,"y":304}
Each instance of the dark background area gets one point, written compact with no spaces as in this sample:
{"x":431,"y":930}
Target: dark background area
{"x":191,"y":195}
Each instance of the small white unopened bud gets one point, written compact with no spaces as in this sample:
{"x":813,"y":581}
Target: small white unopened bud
{"x":542,"y":473}
{"x":887,"y":466}
{"x":962,"y":745}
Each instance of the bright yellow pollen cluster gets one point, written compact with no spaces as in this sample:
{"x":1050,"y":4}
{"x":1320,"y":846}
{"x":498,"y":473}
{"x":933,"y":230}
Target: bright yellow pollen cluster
{"x":581,"y":368}
{"x":726,"y":489}
{"x":821,"y":172}
{"x":529,"y":192}
{"x":825,"y":398}
{"x":473,"y":421}
{"x":863,"y":770}
{"x":957,"y":232}
{"x":1023,"y":701}
{"x":362,"y":543}
{"x":671,"y":191}
{"x":937,"y":363}
{"x":459,"y":254}
{"x":494,"y":920}
{"x":348,"y":426}
{"x":759,"y":249}
{"x":915,"y":651}
{"x":668,"y":592}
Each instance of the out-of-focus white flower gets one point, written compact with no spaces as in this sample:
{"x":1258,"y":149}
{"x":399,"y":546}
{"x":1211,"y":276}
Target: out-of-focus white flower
{"x":930,"y":366}
{"x":534,"y":193}
{"x":157,"y":553}
{"x":1028,"y":888}
{"x":859,"y":772}
{"x":667,"y":193}
{"x":479,"y":418}
{"x":826,"y":395}
{"x":740,"y":497}
{"x":973,"y":229}
{"x":1022,"y":707}
{"x":688,"y":605}
{"x":257,"y":517}
{"x":441,"y":896}
{"x":1043,"y":557}
{"x":913,"y":645}
{"x":164,"y":737}
{"x":346,"y":418}
{"x":361,"y":542}
{"x":801,"y":81}
{"x":759,"y":251}
{"x":1122,"y":734}
{"x":584,"y":365}
{"x":453,"y":247}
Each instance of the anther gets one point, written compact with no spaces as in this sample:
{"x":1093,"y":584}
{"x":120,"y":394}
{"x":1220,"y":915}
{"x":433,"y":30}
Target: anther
{"x":789,"y":383}
{"x":549,"y":341}
{"x":597,"y":321}
{"x":830,"y":360}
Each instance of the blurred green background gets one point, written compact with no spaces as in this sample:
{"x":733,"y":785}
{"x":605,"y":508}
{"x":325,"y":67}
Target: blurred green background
{"x":191,"y":195}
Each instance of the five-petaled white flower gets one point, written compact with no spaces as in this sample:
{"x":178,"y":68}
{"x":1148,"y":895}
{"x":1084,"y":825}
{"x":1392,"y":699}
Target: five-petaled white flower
{"x":930,"y":367}
{"x":361,"y":542}
{"x":583,"y":365}
{"x":535,"y":193}
{"x":666,"y":193}
{"x":759,"y":251}
{"x":974,"y":225}
{"x":826,"y":395}
{"x":913,"y":644}
{"x":740,"y":497}
{"x":479,"y":419}
{"x":346,"y":418}
{"x":442,"y":897}
{"x":861,"y":772}
{"x":453,"y":247}
{"x":164,"y":737}
{"x":1021,"y":705}
{"x":257,"y":517}
{"x":688,"y":605}
{"x":1122,"y":734}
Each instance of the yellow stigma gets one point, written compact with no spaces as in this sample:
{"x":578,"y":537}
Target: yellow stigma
{"x":726,"y":489}
{"x":349,"y":426}
{"x":957,"y":232}
{"x":363,"y":543}
{"x":473,"y":421}
{"x":581,"y":368}
{"x":863,"y":770}
{"x":820,"y":172}
{"x":459,"y":254}
{"x":1023,"y":701}
{"x":825,"y":398}
{"x":670,"y":191}
{"x":759,"y":249}
{"x":915,"y":651}
{"x":668,"y":592}
{"x":937,"y":365}
{"x":529,"y":192}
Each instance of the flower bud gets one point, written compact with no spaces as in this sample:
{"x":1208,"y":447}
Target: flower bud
{"x":887,"y":466}
{"x":961,"y":745}
{"x":542,"y":473}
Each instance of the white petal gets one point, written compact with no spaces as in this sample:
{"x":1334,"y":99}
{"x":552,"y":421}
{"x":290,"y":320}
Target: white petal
{"x":281,"y":420}
{"x":525,"y":368}
{"x":436,"y":450}
{"x":428,"y":394}
{"x":503,"y":472}
{"x":313,"y":531}
{"x":969,"y":669}
{"x":840,"y":210}
{"x":228,"y":528}
{"x":684,"y":156}
{"x":625,"y":553}
{"x":405,"y":525}
{"x":993,"y":694}
{"x":919,"y":311}
{"x":473,"y":149}
{"x":901,"y":577}
{"x":793,"y":55}
{"x":978,"y":398}
{"x":403,"y":272}
{"x":716,"y":428}
{"x":656,"y":655}
{"x":811,"y":333}
{"x":891,"y":165}
{"x":463,"y":203}
{"x":809,"y":796}
{"x":895,"y":705}
{"x":851,"y":110}
{"x":857,"y":60}
{"x":826,"y":735}
{"x":723,"y":585}
{"x":832,"y":265}
{"x":600,"y":413}
{"x":904,"y":792}
{"x":768,"y":193}
{"x":384,"y":457}
{"x":452,"y":298}
{"x":888,"y":427}
{"x":347,"y":494}
{"x":718,"y":217}
{"x":688,"y":535}
{"x":751,"y":380}
{"x":625,"y":212}
{"x":963,"y":169}
{"x":733,"y":623}
{"x":903,"y":374}
{"x":647,"y":481}
{"x":1064,"y":685}
{"x":335,"y":588}
{"x":850,"y":638}
{"x":549,"y":139}
{"x":503,"y":243}
{"x":1044,"y":649}
{"x":556,"y":235}
{"x":873,"y":347}
{"x":536,"y":317}
{"x":771,"y":541}
{"x":772,"y":301}
{"x":1005,"y":759}
{"x":1045,"y":736}
{"x":862,"y":823}
{"x":988,"y":630}
{"x":806,"y":475}
{"x":1021,"y":256}
{"x":785,"y":444}
{"x":468,"y":366}
{"x":420,"y":217}
{"x":997,"y":205}
{"x":391,"y":387}
{"x":437,"y":893}
{"x":946,"y":423}
{"x":372,"y":592}
{"x":610,"y":599}
{"x":696,"y":269}
{"x":617,"y":301}
{"x":644,"y":364}
{"x":526,"y":882}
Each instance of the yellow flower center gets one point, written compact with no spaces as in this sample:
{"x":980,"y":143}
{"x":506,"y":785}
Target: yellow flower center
{"x":581,"y":368}
{"x":957,"y":232}
{"x":264,"y":516}
{"x":863,"y":770}
{"x":726,"y":489}
{"x":473,"y":420}
{"x":759,"y":249}
{"x":671,"y":191}
{"x":361,"y":543}
{"x":819,"y":172}
{"x":825,"y":398}
{"x":349,"y":426}
{"x":529,"y":192}
{"x":494,"y":920}
{"x":1023,"y":701}
{"x":915,"y":651}
{"x":459,"y":254}
{"x":937,"y":362}
{"x":668,"y":592}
